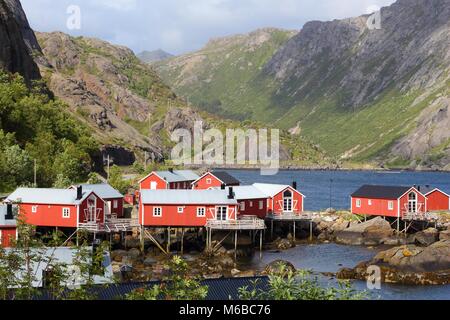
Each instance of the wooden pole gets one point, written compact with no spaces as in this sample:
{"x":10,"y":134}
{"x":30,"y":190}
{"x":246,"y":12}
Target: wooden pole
{"x":294,"y":231}
{"x":108,"y":169}
{"x":142,"y":238}
{"x":182,"y":241}
{"x":398,"y":225}
{"x":311,"y":231}
{"x":235,"y":244}
{"x":260,"y":244}
{"x":168,"y":240}
{"x":35,"y":173}
{"x":271,"y":230}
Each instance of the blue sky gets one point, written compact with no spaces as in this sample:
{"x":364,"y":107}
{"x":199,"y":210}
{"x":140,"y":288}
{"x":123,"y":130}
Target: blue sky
{"x":180,"y":26}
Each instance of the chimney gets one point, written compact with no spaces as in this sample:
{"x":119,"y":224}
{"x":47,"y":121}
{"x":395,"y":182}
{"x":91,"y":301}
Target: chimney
{"x":222,"y":186}
{"x":294,"y":185}
{"x":230,"y":193}
{"x":79,"y":193}
{"x":9,"y":212}
{"x":418,"y":188}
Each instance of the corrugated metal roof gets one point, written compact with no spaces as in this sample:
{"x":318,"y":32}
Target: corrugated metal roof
{"x":104,"y":190}
{"x":248,"y":193}
{"x":270,"y":190}
{"x":380,"y":192}
{"x":47,"y":196}
{"x":218,"y":289}
{"x":186,"y":197}
{"x":178,"y":175}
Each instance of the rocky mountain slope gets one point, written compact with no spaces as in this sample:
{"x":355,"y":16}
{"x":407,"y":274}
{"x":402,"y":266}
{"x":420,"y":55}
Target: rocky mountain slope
{"x":154,"y":56}
{"x":121,"y":99}
{"x":363,"y":95}
{"x":17,"y":41}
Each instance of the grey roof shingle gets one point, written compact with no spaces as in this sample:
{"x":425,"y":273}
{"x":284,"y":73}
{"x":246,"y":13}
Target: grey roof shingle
{"x":104,"y":190}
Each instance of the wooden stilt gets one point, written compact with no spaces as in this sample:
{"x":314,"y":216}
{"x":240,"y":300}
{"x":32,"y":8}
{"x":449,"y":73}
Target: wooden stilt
{"x":235,"y":244}
{"x":271,"y":229}
{"x":311,"y":231}
{"x":294,"y":230}
{"x":142,"y":235}
{"x":260,"y":244}
{"x":78,"y":239}
{"x":168,"y":240}
{"x":182,"y":241}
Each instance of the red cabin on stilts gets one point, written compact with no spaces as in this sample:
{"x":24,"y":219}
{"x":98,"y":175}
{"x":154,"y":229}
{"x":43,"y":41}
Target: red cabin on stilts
{"x":215,"y":179}
{"x":168,"y":180}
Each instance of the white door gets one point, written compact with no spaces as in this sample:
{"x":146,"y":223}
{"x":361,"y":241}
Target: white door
{"x":92,"y":209}
{"x":412,"y":202}
{"x":287,"y":202}
{"x":153,"y":185}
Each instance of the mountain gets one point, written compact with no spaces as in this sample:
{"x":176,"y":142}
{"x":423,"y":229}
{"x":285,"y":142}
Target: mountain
{"x":121,"y":99}
{"x":362,"y":95}
{"x":17,"y":41}
{"x":154,"y":56}
{"x":218,"y":76}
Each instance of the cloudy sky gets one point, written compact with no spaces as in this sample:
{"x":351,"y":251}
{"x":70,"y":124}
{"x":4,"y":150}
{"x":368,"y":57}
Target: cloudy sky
{"x":180,"y":26}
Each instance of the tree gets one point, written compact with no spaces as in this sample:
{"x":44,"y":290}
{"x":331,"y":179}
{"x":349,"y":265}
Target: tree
{"x":93,"y":178}
{"x":116,"y":180}
{"x":286,"y":284}
{"x":178,"y":285}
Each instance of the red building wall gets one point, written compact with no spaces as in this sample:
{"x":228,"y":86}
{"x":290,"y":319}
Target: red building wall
{"x":146,"y":183}
{"x":252,"y":208}
{"x":276,"y":203}
{"x":100,"y":206}
{"x":171,"y":217}
{"x":421,"y":203}
{"x":7,"y":235}
{"x":116,"y":211}
{"x":438,"y":201}
{"x":202,"y":184}
{"x":379,"y":207}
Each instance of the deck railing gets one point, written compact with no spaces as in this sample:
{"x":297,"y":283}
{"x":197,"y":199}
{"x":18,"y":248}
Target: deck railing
{"x":245,"y":223}
{"x":111,"y":225}
{"x":290,"y":216}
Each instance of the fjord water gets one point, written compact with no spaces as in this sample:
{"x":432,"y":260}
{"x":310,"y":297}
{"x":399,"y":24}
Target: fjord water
{"x":324,"y":187}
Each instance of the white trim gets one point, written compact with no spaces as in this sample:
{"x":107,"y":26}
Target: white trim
{"x":226,"y":213}
{"x":66,"y":213}
{"x":204,"y":175}
{"x":149,"y":175}
{"x":261,"y":204}
{"x":204,"y":212}
{"x":358,"y":203}
{"x":242,"y":206}
{"x":436,"y":189}
{"x":160,"y":212}
{"x":391,"y":206}
{"x":180,"y":210}
{"x":34,"y":209}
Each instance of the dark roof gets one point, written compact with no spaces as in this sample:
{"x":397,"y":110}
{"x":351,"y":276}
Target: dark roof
{"x":380,"y":192}
{"x":218,"y":289}
{"x":226,"y":178}
{"x":425,"y":189}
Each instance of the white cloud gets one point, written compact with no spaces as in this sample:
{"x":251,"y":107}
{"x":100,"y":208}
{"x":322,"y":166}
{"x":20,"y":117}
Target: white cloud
{"x":120,"y":5}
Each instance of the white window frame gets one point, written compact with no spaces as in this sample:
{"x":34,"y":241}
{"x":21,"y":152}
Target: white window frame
{"x":391,"y":205}
{"x":66,"y":213}
{"x":261,"y":205}
{"x":201,"y":212}
{"x":34,"y":209}
{"x":358,"y":203}
{"x":370,"y":202}
{"x":155,"y":212}
{"x":153,"y":185}
{"x":242,"y":206}
{"x":180,"y":209}
{"x":115,"y":204}
{"x":209,"y":181}
{"x":251,"y":204}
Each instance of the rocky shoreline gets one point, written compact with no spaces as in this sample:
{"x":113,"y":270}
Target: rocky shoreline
{"x":422,"y":258}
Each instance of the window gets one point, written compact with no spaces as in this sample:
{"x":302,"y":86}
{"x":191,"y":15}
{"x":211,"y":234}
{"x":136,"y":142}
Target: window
{"x":370,"y":202}
{"x":115,"y":204}
{"x":34,"y":209}
{"x":358,"y":203}
{"x":261,"y":205}
{"x":201,"y":212}
{"x":180,"y":209}
{"x":66,"y":213}
{"x":251,"y":204}
{"x":222,"y":213}
{"x":243,"y":206}
{"x":287,"y":201}
{"x":208,"y":181}
{"x":157,"y":212}
{"x":391,"y":205}
{"x":153,"y":185}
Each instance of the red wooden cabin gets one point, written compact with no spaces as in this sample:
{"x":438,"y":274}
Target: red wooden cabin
{"x":282,"y":200}
{"x":252,"y":202}
{"x":65,"y":208}
{"x":8,"y":226}
{"x":215,"y":179}
{"x":171,"y":179}
{"x":185,"y":208}
{"x":398,"y":201}
{"x":114,"y":200}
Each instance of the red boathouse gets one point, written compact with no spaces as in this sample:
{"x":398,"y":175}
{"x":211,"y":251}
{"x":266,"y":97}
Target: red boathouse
{"x":215,"y":179}
{"x":8,"y":227}
{"x":168,"y":180}
{"x":65,"y":208}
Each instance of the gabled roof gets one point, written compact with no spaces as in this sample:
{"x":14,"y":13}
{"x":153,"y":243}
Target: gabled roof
{"x":47,"y":196}
{"x":247,"y":193}
{"x":428,"y":190}
{"x":225,"y":177}
{"x":186,"y":197}
{"x":271,"y":190}
{"x":103,"y":190}
{"x":381,"y":192}
{"x":175,"y":176}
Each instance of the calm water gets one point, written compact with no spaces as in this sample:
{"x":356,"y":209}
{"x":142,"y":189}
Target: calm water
{"x":325,"y":189}
{"x":316,"y":185}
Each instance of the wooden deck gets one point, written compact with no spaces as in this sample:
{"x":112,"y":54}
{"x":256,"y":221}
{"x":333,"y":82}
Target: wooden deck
{"x":111,"y":226}
{"x":301,"y":216}
{"x":245,"y":223}
{"x":426,"y":217}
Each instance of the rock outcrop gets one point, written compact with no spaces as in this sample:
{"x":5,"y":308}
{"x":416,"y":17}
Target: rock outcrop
{"x":409,"y":264}
{"x":372,"y":232}
{"x":18,"y":43}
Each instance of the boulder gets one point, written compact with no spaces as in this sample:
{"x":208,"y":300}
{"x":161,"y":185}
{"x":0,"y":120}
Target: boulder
{"x":117,"y":255}
{"x":134,"y":253}
{"x":274,"y":266}
{"x":340,"y":225}
{"x":426,"y":237}
{"x":444,"y":235}
{"x":150,"y":261}
{"x":371,"y":232}
{"x":284,"y":244}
